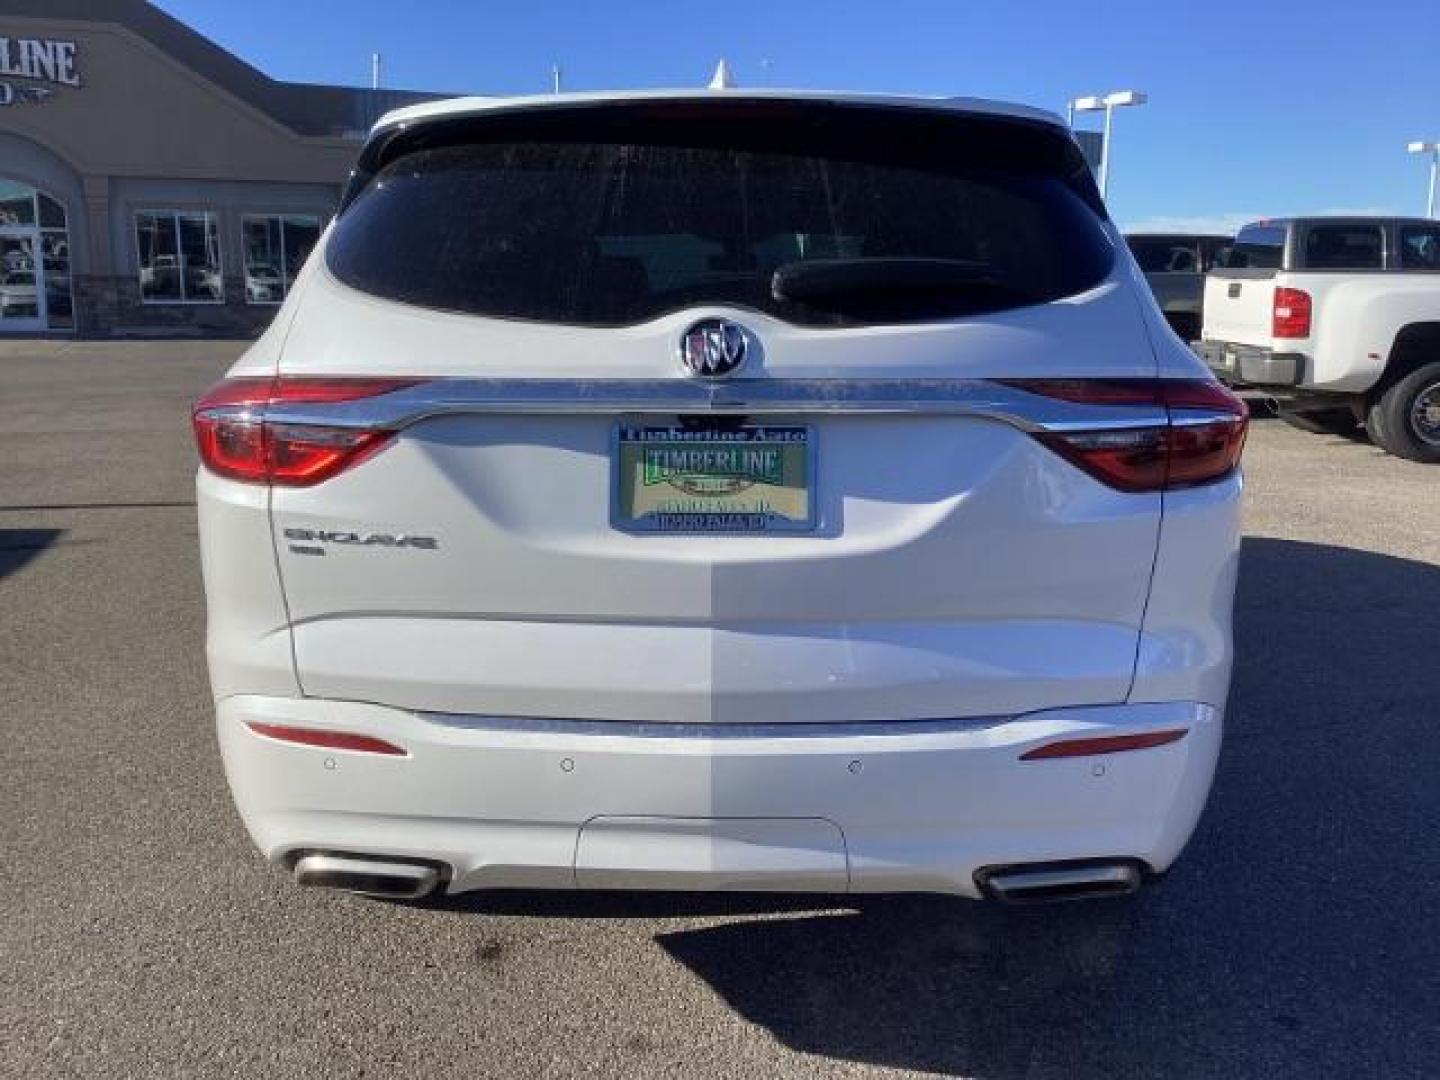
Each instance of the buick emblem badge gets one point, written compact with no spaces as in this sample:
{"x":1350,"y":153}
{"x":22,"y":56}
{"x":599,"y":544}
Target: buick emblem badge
{"x":713,"y":348}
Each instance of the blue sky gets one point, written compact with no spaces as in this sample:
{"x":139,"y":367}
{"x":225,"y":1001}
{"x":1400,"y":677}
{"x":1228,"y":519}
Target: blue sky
{"x":1256,"y":108}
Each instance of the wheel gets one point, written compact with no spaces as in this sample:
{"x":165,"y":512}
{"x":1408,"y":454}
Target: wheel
{"x":1405,"y":419}
{"x":1337,"y":421}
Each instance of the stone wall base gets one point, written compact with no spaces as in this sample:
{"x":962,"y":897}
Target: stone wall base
{"x":108,"y":306}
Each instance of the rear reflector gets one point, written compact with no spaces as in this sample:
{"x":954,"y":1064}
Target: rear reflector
{"x":1106,"y":744}
{"x":236,"y":441}
{"x":329,"y":740}
{"x":1200,"y":441}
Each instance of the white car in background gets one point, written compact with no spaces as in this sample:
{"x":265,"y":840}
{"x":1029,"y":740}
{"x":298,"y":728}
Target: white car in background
{"x":1338,"y":318}
{"x":19,"y":298}
{"x":720,"y":490}
{"x":263,"y":284}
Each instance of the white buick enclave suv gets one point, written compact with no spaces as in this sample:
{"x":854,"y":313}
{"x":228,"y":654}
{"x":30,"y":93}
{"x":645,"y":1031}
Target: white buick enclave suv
{"x":720,"y":490}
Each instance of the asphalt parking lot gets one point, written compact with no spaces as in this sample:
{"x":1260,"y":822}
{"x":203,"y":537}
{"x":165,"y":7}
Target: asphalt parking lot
{"x":142,"y":935}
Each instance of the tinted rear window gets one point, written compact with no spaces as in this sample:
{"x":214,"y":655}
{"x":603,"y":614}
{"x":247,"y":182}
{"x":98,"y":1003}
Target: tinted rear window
{"x":1166,"y":255}
{"x":616,"y":216}
{"x":1256,"y":247}
{"x":1420,"y":247}
{"x":1344,"y":247}
{"x":1218,"y":252}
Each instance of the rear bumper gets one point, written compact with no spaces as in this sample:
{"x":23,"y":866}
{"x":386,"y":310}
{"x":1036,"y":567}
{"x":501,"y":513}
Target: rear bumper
{"x":1252,"y":365}
{"x":875,"y":807}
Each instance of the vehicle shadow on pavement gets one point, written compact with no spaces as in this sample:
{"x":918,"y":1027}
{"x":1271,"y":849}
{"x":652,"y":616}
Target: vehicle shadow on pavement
{"x":19,"y":546}
{"x":1356,"y":435}
{"x":1296,"y":936}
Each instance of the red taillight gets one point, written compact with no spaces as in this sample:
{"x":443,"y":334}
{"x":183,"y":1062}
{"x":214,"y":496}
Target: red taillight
{"x":1292,"y":313}
{"x":328,"y":740}
{"x":1200,"y":441}
{"x":1134,"y":459}
{"x":236,"y":440}
{"x":1104,"y":744}
{"x":1208,"y":425}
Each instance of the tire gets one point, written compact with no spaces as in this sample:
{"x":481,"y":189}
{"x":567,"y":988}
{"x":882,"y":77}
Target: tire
{"x":1336,"y":421}
{"x":1405,"y":419}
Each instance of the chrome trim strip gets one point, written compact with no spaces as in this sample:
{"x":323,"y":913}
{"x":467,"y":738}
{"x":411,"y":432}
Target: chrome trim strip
{"x":1115,"y":718}
{"x":629,"y":729}
{"x":1185,"y":417}
{"x":750,"y":397}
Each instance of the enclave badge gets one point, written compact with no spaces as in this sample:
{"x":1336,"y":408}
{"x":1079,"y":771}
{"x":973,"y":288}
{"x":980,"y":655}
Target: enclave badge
{"x":713,"y":348}
{"x":370,"y":540}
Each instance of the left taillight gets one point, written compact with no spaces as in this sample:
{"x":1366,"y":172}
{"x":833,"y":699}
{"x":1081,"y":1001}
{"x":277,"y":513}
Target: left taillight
{"x":239,"y":439}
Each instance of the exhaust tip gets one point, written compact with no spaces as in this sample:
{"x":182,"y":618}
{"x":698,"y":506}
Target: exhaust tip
{"x":376,"y":876}
{"x":1081,"y":879}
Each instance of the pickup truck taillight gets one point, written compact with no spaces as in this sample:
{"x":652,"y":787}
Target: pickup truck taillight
{"x":237,"y":441}
{"x":1199,"y":442}
{"x":1292,"y":313}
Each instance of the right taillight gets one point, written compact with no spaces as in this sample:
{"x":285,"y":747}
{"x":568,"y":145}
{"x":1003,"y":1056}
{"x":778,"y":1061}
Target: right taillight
{"x":1199,"y":441}
{"x":238,"y":439}
{"x":1208,"y":425}
{"x":1291,"y":313}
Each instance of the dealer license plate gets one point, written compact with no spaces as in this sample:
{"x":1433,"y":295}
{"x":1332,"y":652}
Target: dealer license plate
{"x":712,"y":479}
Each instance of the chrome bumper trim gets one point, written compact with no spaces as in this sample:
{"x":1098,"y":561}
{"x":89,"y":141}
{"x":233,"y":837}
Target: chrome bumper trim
{"x":627,"y":729}
{"x":1142,"y":715}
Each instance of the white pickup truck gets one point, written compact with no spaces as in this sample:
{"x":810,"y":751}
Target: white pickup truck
{"x":1339,"y":320}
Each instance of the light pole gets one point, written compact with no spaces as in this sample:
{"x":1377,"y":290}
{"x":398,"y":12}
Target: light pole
{"x":1433,"y":149}
{"x":1109,"y":103}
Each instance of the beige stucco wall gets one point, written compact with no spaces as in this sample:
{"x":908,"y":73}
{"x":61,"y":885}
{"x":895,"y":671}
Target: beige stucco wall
{"x":140,"y":113}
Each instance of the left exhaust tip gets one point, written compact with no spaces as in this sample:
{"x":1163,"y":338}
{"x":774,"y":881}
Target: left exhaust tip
{"x":378,"y":876}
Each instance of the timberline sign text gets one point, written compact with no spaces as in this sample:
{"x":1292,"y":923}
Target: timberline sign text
{"x":39,"y":60}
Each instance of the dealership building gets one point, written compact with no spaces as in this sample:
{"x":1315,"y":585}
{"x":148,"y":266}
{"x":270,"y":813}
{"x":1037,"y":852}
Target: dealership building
{"x":150,"y":181}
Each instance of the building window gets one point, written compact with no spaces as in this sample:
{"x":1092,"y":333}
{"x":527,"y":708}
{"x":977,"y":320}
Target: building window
{"x":179,"y":257}
{"x":35,"y":288}
{"x":276,"y":247}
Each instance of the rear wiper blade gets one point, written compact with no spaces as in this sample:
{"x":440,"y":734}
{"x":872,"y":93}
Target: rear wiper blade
{"x":836,"y":279}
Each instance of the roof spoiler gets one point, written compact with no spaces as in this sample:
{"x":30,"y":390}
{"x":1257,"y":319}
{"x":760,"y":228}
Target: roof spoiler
{"x":408,"y":131}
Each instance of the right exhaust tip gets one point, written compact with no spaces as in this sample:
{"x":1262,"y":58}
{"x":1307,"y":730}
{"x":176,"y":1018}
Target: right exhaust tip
{"x":376,"y":876}
{"x":1036,"y":883}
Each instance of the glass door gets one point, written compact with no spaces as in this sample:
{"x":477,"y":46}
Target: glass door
{"x":22,"y":281}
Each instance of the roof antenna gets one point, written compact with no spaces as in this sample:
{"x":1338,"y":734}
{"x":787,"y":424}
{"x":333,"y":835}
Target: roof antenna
{"x":555,"y":74}
{"x":722,"y":80}
{"x":375,"y":71}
